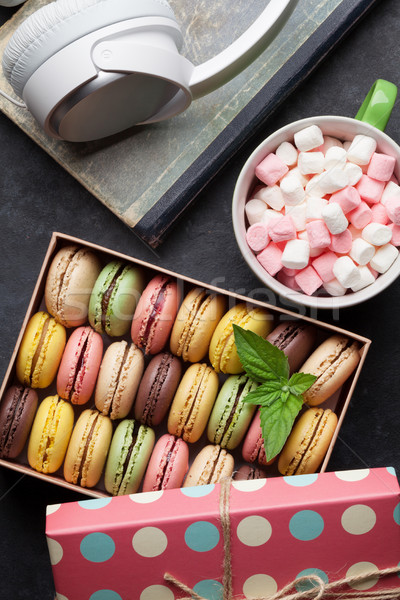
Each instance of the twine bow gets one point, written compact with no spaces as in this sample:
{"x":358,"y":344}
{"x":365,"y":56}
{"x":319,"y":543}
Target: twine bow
{"x":319,"y":590}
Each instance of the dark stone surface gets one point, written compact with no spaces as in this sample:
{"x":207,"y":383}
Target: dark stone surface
{"x":38,"y":197}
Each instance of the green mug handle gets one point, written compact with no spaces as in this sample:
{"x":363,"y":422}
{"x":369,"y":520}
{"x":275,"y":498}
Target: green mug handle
{"x":378,"y":104}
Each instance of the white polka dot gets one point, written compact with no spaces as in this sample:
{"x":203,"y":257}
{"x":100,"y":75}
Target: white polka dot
{"x":149,"y":542}
{"x":146,"y":497}
{"x":254,"y":531}
{"x":352,"y":475}
{"x":157,"y":591}
{"x":259,"y":585}
{"x":61,"y":597}
{"x":359,"y":569}
{"x":52,"y":508}
{"x":358,"y":519}
{"x":249,"y":486}
{"x":55,"y":551}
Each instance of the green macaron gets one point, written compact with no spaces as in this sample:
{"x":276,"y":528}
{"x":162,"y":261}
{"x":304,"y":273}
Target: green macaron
{"x":231,"y":415}
{"x":130,"y":450}
{"x":114,"y":297}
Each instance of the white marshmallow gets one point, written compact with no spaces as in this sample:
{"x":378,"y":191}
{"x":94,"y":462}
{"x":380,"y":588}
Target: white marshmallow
{"x":314,"y":206}
{"x":335,"y":157}
{"x":361,"y":251}
{"x":366,"y":279}
{"x":384,"y":258}
{"x":254,"y":210}
{"x":334,"y":288}
{"x":298,"y":215}
{"x":392,"y":190}
{"x":311,"y":162}
{"x":334,"y":218}
{"x":333,"y":180}
{"x":302,"y":178}
{"x":287,"y":153}
{"x":314,"y":252}
{"x":292,"y":191}
{"x":346,"y":272}
{"x":313,"y":188}
{"x":271,"y":195}
{"x":354,"y":173}
{"x":308,"y":138}
{"x":296,"y":254}
{"x":377,"y":234}
{"x":330,"y":142}
{"x":270,"y":214}
{"x":361,"y":149}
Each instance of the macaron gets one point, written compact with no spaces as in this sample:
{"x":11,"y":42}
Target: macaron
{"x":248,"y":473}
{"x":211,"y":464}
{"x":308,"y":442}
{"x":17,"y":411}
{"x":40,"y":351}
{"x":231,"y":415}
{"x":296,"y":339}
{"x":157,"y":388}
{"x":80,"y":365}
{"x":88,"y":448}
{"x":168,"y":464}
{"x":70,"y":280}
{"x":51,"y":431}
{"x":114,"y":298}
{"x":129,"y":455}
{"x":332,"y":363}
{"x":223,"y":353}
{"x":253,"y":449}
{"x":193,"y":402}
{"x":120,"y":372}
{"x":198,"y":316}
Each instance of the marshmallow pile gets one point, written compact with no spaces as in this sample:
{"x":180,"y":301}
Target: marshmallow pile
{"x":326,"y":213}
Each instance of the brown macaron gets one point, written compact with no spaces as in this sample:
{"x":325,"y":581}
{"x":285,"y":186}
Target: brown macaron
{"x":296,"y":339}
{"x":332,"y":363}
{"x":17,"y":411}
{"x":308,"y":442}
{"x":210,"y":465}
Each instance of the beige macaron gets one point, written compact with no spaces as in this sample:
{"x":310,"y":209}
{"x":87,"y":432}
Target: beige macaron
{"x":332,"y":363}
{"x":210,"y":465}
{"x":308,"y":442}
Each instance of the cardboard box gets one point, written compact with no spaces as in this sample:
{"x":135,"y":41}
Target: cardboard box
{"x":338,"y":403}
{"x":332,"y":524}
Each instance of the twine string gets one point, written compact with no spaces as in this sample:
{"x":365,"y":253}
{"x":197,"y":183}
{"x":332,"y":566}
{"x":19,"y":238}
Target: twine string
{"x":318,"y":591}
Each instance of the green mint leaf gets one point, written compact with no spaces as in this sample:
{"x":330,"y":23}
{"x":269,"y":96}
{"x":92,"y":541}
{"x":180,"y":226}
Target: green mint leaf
{"x":265,"y":394}
{"x":261,"y":360}
{"x":300,"y":382}
{"x":277,"y":422}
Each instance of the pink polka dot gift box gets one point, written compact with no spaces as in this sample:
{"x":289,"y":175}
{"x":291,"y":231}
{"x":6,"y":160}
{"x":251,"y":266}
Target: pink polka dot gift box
{"x":238,"y":539}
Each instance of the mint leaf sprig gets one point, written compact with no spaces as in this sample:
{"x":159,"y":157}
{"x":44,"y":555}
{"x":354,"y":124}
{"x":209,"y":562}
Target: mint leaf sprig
{"x":279,"y":397}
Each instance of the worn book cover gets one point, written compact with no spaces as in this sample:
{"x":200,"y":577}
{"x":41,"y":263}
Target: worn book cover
{"x":148,"y":175}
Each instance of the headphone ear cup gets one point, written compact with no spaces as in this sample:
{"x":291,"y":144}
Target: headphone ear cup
{"x":54,"y":26}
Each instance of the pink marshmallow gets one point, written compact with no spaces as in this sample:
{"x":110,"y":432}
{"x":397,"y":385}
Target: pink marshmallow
{"x":341,"y":242}
{"x":379,"y":214}
{"x":370,"y":189}
{"x":395,"y":234}
{"x":270,"y":259}
{"x":374,"y":273}
{"x":381,"y":166}
{"x":348,"y":198}
{"x":324,"y":265}
{"x":257,"y":236}
{"x":393,"y":210}
{"x":288,"y":280}
{"x":318,"y":234}
{"x":308,"y":280}
{"x":271,"y":169}
{"x":289,"y":272}
{"x":360,"y":216}
{"x":281,"y":229}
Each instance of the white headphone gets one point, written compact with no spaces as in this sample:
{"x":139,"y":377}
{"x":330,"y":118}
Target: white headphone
{"x":87,"y":69}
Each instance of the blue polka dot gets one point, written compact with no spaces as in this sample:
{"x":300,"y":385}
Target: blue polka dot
{"x":209,"y":589}
{"x":202,"y":536}
{"x":309,"y":585}
{"x":391,"y":471}
{"x":301,"y":480}
{"x":94,"y":504}
{"x":306,"y":525}
{"x":97,"y":547}
{"x":105,"y":595}
{"x":198,"y":491}
{"x":398,"y":574}
{"x":396,"y":514}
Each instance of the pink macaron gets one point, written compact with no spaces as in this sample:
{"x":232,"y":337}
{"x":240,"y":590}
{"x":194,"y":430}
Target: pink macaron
{"x":80,"y":365}
{"x":155,"y":314}
{"x":168,"y":464}
{"x":253,"y":446}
